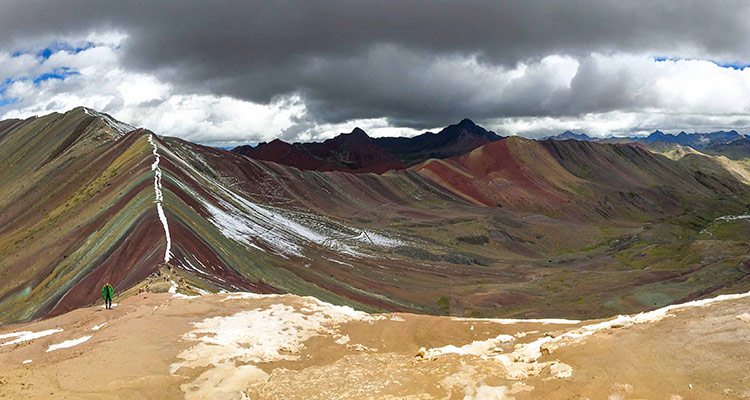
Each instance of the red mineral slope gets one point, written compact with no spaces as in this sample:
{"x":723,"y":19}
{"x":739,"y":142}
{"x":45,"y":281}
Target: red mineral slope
{"x":509,"y":172}
{"x":574,"y":179}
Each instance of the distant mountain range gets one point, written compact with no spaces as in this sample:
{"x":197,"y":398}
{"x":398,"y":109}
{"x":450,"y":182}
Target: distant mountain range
{"x":734,"y":150}
{"x":695,"y":140}
{"x":359,"y":153}
{"x":570,"y":135}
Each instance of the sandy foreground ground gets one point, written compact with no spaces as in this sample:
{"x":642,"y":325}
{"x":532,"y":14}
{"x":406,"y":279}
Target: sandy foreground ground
{"x":235,"y":346}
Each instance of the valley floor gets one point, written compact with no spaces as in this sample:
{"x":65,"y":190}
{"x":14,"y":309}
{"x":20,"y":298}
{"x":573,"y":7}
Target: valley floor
{"x":233,"y":346}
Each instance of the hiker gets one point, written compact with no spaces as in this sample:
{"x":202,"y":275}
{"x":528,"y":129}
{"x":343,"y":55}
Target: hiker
{"x":107,"y":292}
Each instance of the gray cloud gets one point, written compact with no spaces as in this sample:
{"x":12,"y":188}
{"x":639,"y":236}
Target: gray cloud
{"x":418,"y":63}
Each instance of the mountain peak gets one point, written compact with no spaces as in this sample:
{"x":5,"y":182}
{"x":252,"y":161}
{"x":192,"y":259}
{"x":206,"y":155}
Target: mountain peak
{"x":358,"y":132}
{"x":118,"y":126}
{"x":568,"y":134}
{"x":466,"y":123}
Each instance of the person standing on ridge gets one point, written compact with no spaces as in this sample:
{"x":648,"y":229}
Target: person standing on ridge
{"x":107,"y":292}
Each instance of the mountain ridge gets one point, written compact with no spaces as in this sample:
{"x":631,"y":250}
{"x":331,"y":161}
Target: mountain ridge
{"x":82,"y":203}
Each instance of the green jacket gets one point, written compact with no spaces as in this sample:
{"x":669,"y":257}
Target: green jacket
{"x":111,"y":290}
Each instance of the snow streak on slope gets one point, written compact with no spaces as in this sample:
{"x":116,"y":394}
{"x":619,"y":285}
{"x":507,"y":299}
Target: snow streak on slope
{"x":68,"y":343}
{"x":26,"y":336}
{"x":730,"y":218}
{"x":160,"y":198}
{"x":286,"y":232}
{"x":119,"y":127}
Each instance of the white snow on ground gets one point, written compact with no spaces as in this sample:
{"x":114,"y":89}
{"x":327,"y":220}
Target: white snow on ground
{"x":68,"y":343}
{"x":249,"y":295}
{"x":160,"y":198}
{"x":284,"y":233}
{"x":96,"y":328}
{"x":113,"y":305}
{"x":173,"y":288}
{"x":477,"y":347}
{"x":119,"y":127}
{"x":276,"y":332}
{"x":733,"y":217}
{"x":26,"y":336}
{"x":377,"y":239}
{"x":464,"y":384}
{"x":186,"y":264}
{"x":281,"y":230}
{"x":184,"y":296}
{"x":522,"y":362}
{"x":744,"y":317}
{"x":509,"y":321}
{"x":27,"y":362}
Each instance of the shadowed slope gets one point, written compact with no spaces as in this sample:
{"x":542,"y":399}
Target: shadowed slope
{"x":352,"y":152}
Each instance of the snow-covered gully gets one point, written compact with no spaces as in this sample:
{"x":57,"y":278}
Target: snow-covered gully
{"x":729,"y":218}
{"x":160,"y":198}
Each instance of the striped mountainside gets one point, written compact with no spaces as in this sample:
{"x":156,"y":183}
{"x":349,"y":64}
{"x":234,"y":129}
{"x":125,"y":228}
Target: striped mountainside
{"x":512,"y":228}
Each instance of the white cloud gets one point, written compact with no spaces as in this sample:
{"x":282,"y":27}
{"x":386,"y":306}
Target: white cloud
{"x":600,"y":94}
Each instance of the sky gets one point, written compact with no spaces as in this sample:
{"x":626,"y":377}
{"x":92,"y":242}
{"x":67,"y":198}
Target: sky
{"x":225,"y":73}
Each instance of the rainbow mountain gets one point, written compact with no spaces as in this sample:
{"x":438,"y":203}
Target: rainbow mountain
{"x":506,"y":227}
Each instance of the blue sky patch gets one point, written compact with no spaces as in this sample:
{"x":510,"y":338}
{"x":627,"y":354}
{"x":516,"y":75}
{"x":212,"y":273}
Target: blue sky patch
{"x":734,"y":66}
{"x":5,"y":102}
{"x":58,"y":73}
{"x":62,"y":46}
{"x":45,"y":53}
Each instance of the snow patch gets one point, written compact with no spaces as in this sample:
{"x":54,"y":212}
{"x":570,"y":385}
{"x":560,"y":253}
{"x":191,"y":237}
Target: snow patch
{"x":68,"y":343}
{"x":343,"y":340}
{"x":184,"y":296}
{"x":27,"y":362}
{"x":469,"y":382}
{"x":283,"y":231}
{"x":477,"y":347}
{"x":728,"y":218}
{"x":273,"y":333}
{"x":248,"y":295}
{"x":96,"y":328}
{"x":262,"y":335}
{"x":223,"y":382}
{"x":560,"y":370}
{"x":160,"y":198}
{"x":119,"y":127}
{"x":25,"y":336}
{"x":745,"y":317}
{"x":522,"y":362}
{"x":509,"y":321}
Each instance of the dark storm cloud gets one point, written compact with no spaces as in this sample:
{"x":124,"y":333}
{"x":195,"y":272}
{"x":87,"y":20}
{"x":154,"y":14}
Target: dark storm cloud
{"x":365,"y":59}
